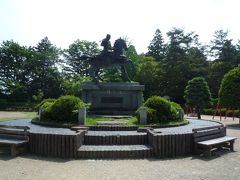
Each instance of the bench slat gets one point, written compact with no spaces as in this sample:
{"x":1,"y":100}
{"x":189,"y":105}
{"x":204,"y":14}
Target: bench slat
{"x":217,"y":141}
{"x":213,"y":136}
{"x":208,"y":132}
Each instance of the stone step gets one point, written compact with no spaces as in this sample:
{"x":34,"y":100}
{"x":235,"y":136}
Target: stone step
{"x":113,"y":112}
{"x":113,"y":128}
{"x":122,"y":151}
{"x":115,"y":138}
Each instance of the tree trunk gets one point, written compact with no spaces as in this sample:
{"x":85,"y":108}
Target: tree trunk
{"x":198,"y":113}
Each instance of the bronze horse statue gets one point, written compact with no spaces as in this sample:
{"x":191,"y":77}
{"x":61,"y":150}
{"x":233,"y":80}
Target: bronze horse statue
{"x":110,"y":59}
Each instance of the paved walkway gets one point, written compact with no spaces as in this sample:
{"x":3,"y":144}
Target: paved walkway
{"x":193,"y":123}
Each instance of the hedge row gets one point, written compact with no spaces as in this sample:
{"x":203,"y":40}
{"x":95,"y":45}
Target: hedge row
{"x":223,"y":112}
{"x":17,"y":106}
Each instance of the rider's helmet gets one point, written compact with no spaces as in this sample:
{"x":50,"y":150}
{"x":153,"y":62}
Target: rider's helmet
{"x":108,"y":36}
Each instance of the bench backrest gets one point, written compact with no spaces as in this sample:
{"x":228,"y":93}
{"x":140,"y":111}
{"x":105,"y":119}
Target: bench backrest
{"x":14,"y":132}
{"x":203,"y":134}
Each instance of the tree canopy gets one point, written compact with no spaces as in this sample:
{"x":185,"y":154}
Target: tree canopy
{"x":46,"y":71}
{"x":197,"y":94}
{"x":229,"y":93}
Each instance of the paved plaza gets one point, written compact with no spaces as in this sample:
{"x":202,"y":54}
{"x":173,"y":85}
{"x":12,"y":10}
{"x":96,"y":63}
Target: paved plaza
{"x":225,"y":165}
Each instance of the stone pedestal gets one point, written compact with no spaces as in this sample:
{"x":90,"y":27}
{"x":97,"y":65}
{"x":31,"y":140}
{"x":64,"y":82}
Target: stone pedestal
{"x":81,"y":116}
{"x":143,"y":115}
{"x":113,"y":98}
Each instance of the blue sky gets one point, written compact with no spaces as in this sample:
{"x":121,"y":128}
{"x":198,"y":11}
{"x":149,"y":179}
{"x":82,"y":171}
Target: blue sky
{"x":64,"y":21}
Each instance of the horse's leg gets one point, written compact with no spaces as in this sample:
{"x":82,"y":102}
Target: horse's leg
{"x":92,"y":73}
{"x":124,"y":74}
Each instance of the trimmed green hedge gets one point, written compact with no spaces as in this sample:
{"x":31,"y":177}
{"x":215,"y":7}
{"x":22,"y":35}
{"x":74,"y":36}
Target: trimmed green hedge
{"x":16,"y":106}
{"x":63,"y":109}
{"x":210,"y":111}
{"x":160,"y":110}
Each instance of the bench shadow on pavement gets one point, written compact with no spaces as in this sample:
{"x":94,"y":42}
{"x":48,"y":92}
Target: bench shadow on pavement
{"x":218,"y":153}
{"x":233,"y":126}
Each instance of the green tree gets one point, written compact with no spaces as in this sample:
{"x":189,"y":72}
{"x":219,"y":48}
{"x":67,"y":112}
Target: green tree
{"x":184,"y":60}
{"x":216,"y":71}
{"x":222,"y":48}
{"x":72,"y":86}
{"x":150,"y":73}
{"x":74,"y":64}
{"x":45,"y":76}
{"x":156,"y":48}
{"x":197,"y":94}
{"x":14,"y":76}
{"x":229,"y":93}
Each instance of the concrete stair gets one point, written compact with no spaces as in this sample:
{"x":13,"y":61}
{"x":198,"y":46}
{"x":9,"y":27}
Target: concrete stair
{"x":114,"y":151}
{"x":115,"y":138}
{"x":115,"y":144}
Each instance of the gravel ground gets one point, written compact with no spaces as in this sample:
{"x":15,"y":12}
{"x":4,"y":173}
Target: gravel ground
{"x":224,"y":166}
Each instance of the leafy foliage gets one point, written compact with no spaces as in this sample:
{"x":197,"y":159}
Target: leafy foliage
{"x":160,"y":110}
{"x":74,"y":64}
{"x":150,"y":73}
{"x":229,"y":93}
{"x":197,"y":94}
{"x":63,"y":109}
{"x":30,"y":74}
{"x":156,"y":48}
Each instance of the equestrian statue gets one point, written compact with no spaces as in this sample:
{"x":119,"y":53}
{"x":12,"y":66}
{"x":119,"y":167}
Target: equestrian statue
{"x":110,"y":57}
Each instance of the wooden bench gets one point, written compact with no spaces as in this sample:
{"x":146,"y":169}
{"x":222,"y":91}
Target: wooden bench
{"x":15,"y":137}
{"x":210,"y":138}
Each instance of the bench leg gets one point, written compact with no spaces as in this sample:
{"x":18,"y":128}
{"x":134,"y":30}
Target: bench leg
{"x":14,"y":151}
{"x":231,"y":145}
{"x":207,"y":153}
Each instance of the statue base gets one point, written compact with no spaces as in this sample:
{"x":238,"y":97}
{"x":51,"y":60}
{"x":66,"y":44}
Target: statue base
{"x":114,"y":98}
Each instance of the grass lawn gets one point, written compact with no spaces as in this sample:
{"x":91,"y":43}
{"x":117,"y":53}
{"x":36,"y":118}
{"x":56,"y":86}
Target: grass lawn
{"x":92,"y":120}
{"x":132,"y":121}
{"x":10,"y":115}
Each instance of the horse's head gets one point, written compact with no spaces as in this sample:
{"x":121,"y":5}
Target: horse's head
{"x":120,"y":46}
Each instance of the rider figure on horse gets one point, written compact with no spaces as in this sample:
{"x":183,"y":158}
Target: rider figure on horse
{"x":107,"y":48}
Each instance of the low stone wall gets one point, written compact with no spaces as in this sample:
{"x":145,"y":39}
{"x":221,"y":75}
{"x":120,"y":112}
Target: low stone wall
{"x":170,"y":145}
{"x":55,"y":145}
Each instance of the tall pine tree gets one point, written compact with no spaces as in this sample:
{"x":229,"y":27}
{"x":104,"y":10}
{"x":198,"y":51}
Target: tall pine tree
{"x":156,"y":48}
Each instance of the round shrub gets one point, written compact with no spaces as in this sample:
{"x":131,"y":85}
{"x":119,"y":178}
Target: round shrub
{"x":160,"y":110}
{"x":43,"y":102}
{"x":46,"y":111}
{"x":63,"y":109}
{"x":229,"y":93}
